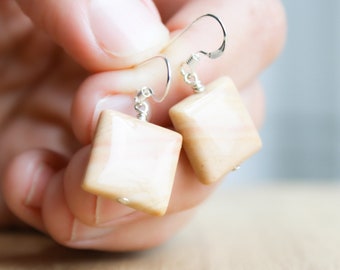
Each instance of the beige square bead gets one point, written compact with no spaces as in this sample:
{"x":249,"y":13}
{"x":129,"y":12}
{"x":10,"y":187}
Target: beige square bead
{"x":218,"y":133}
{"x":133,"y":162}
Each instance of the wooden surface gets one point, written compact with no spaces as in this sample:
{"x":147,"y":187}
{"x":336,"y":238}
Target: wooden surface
{"x":274,"y":227}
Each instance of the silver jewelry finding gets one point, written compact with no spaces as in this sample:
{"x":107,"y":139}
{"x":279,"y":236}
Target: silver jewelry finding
{"x":188,"y":67}
{"x":141,"y":99}
{"x":141,"y":105}
{"x":237,"y":168}
{"x":124,"y":201}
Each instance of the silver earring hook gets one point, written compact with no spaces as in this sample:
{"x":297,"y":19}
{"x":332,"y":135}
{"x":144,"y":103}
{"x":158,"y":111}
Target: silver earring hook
{"x":214,"y":54}
{"x":168,"y":78}
{"x":187,"y":68}
{"x":143,"y":94}
{"x":217,"y":53}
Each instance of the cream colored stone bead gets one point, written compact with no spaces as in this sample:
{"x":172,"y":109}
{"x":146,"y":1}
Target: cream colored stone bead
{"x":133,"y":162}
{"x":218,"y":133}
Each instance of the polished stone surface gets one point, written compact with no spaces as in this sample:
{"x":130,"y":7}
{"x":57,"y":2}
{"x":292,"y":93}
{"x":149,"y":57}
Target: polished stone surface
{"x":218,"y":133}
{"x":133,"y":162}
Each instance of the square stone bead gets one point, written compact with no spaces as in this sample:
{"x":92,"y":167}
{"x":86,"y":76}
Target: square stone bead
{"x":133,"y":162}
{"x":218,"y":133}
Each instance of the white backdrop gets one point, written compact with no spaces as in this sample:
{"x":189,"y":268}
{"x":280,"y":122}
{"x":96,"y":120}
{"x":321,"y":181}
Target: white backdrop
{"x":301,"y":134}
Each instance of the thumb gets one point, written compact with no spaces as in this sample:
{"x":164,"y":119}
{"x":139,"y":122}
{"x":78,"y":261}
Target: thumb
{"x":101,"y":34}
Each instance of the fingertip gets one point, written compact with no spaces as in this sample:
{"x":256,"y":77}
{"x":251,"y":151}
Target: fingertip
{"x":121,"y":37}
{"x":103,"y":34}
{"x":106,"y":90}
{"x":25,"y":181}
{"x":88,"y":208}
{"x":57,"y":218}
{"x":80,"y":203}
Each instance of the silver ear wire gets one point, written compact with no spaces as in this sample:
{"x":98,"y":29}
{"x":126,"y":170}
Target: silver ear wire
{"x":214,"y":54}
{"x":168,"y":78}
{"x":187,"y":68}
{"x":141,"y":104}
{"x":220,"y":50}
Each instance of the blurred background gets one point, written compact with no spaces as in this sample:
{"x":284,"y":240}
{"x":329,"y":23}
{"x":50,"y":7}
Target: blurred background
{"x":301,"y":134}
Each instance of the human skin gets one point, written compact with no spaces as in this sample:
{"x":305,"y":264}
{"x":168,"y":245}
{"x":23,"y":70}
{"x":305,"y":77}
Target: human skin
{"x":61,"y":69}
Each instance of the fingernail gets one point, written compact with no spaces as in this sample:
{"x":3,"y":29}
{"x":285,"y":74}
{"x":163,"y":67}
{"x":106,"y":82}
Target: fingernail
{"x":120,"y":103}
{"x":109,"y":212}
{"x":40,"y":178}
{"x":123,"y":28}
{"x":82,"y":232}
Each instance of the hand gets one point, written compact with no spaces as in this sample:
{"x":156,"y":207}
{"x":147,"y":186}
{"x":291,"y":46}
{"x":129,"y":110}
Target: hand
{"x":45,"y":147}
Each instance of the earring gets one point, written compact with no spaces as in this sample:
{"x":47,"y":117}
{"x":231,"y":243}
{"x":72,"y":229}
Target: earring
{"x":218,"y":133}
{"x":133,"y":161}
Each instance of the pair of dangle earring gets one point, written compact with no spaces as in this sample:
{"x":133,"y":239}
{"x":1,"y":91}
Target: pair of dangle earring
{"x":133,"y":161}
{"x":218,"y":132}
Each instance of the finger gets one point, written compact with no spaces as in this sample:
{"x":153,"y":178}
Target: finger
{"x":101,"y":34}
{"x":144,"y":234}
{"x":101,"y":91}
{"x":25,"y":181}
{"x":96,"y":211}
{"x":36,"y":194}
{"x":88,"y":208}
{"x":168,"y":8}
{"x":137,"y":231}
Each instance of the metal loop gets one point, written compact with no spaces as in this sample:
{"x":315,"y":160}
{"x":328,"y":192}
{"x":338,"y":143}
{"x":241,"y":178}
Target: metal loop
{"x":192,"y":79}
{"x":143,"y":94}
{"x":143,"y":110}
{"x":141,"y":105}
